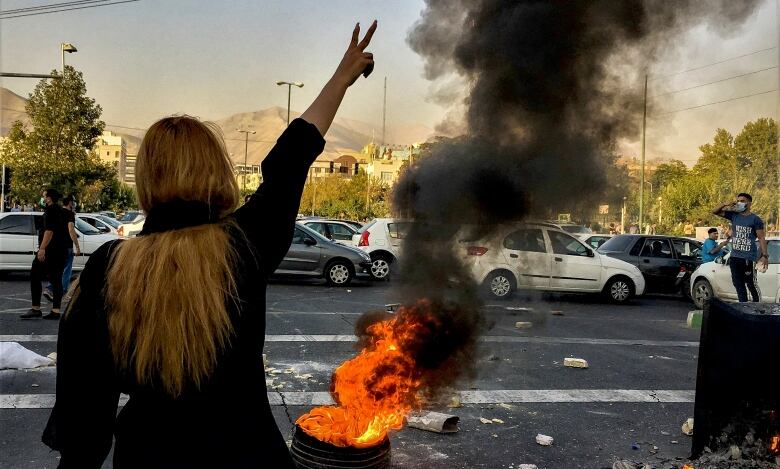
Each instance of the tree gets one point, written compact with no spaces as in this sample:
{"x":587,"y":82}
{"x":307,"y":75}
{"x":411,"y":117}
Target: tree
{"x":337,"y":197}
{"x":57,"y":150}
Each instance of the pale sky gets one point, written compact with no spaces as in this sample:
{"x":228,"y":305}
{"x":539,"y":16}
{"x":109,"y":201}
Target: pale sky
{"x":148,"y":59}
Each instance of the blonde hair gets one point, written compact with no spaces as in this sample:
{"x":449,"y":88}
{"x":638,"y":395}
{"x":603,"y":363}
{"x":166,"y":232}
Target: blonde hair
{"x":167,"y":292}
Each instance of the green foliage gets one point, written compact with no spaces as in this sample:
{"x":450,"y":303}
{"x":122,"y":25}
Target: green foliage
{"x":337,"y":197}
{"x":57,"y":151}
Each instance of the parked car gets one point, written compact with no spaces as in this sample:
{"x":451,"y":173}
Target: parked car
{"x":102,"y":223}
{"x":131,"y":216}
{"x":713,"y":279}
{"x":665,"y":261}
{"x":19,"y":238}
{"x":313,"y":255}
{"x":593,"y":240}
{"x":335,"y":230}
{"x":108,"y":213}
{"x":131,"y":228}
{"x":382,"y":239}
{"x":573,"y":228}
{"x":533,"y":256}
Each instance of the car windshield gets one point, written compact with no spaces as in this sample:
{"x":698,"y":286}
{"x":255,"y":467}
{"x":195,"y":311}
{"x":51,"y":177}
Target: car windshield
{"x":85,"y":228}
{"x":109,"y":221}
{"x":129,"y":216}
{"x":575,"y":229}
{"x":618,"y":243}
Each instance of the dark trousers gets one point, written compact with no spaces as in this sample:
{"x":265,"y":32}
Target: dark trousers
{"x":52,"y":269}
{"x":743,"y":273}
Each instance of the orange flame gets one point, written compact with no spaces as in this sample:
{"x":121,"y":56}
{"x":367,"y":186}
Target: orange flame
{"x":687,"y":466}
{"x":375,"y":390}
{"x":774,"y":444}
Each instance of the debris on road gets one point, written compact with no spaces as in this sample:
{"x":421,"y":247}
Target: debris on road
{"x":455,"y":402}
{"x":485,"y":421}
{"x":52,"y":356}
{"x":497,"y":420}
{"x":518,"y":308}
{"x":523,"y":325}
{"x":527,"y":466}
{"x":556,"y":313}
{"x":15,"y":356}
{"x":623,"y":465}
{"x":687,"y":427}
{"x":544,"y":440}
{"x":304,"y":376}
{"x":575,"y":362}
{"x":433,"y":422}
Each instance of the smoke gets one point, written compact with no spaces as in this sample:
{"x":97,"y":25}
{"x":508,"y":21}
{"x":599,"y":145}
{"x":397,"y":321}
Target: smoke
{"x":551,"y":87}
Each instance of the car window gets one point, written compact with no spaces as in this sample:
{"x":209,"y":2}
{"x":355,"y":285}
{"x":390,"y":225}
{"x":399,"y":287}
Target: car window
{"x":566,"y":244}
{"x":299,"y":236}
{"x":340,"y":232}
{"x":617,"y":243}
{"x":318,"y":227}
{"x":774,"y":252}
{"x":17,"y":224}
{"x":367,"y":226}
{"x":398,"y":230}
{"x":686,"y":249}
{"x":529,"y":240}
{"x":86,"y":229}
{"x":90,"y":221}
{"x":658,"y":248}
{"x":111,"y":221}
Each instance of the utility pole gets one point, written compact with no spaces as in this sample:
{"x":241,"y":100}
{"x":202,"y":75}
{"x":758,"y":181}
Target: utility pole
{"x":289,"y":92}
{"x":384,"y":113}
{"x":2,"y":192}
{"x":777,"y":119}
{"x":642,"y":171}
{"x":246,"y":152}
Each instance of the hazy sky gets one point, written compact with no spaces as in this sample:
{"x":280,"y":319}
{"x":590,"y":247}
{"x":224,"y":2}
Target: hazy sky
{"x":148,"y":59}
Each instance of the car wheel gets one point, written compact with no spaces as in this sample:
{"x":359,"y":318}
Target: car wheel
{"x":338,"y":274}
{"x":619,"y":289}
{"x":380,"y":267}
{"x":500,"y":285}
{"x":702,"y":292}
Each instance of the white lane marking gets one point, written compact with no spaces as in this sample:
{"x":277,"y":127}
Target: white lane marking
{"x":510,"y":396}
{"x":13,"y":310}
{"x":488,"y":338}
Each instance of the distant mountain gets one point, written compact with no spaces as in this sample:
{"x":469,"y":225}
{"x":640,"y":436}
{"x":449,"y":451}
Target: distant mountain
{"x":11,"y":110}
{"x":345,"y":135}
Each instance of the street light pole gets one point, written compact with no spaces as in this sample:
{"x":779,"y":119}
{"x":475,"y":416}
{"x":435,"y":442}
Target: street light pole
{"x":246,"y":152}
{"x":289,"y":92}
{"x":69,"y":48}
{"x":642,"y":185}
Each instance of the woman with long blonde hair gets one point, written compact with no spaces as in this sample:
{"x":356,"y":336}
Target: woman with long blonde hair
{"x":175,"y":318}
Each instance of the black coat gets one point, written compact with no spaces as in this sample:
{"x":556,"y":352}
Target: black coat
{"x":227,"y":423}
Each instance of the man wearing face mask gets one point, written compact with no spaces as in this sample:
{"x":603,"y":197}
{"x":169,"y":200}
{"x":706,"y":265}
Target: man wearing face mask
{"x":746,"y":228}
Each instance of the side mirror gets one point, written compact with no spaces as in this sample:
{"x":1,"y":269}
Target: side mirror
{"x":591,"y":253}
{"x":309,"y":241}
{"x":104,"y":229}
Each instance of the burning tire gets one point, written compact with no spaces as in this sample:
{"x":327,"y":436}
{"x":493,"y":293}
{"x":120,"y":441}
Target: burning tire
{"x":309,"y":453}
{"x":500,"y":285}
{"x":380,"y":267}
{"x":702,"y":292}
{"x":619,"y":289}
{"x":338,"y":273}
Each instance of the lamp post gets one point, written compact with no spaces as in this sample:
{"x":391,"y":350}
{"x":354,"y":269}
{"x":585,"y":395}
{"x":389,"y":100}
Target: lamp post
{"x":623,"y":216}
{"x":69,"y":48}
{"x":660,"y":211}
{"x":289,"y":91}
{"x":246,"y":151}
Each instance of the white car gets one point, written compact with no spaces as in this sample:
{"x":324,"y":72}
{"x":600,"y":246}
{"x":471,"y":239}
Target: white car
{"x":382,"y":239}
{"x":713,"y":279}
{"x":19,"y":240}
{"x":593,"y":240}
{"x":541,"y":257}
{"x":103,"y":223}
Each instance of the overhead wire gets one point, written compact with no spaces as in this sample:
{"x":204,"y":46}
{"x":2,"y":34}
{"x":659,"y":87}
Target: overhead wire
{"x":712,"y":82}
{"x":47,"y":7}
{"x":113,"y":2}
{"x":712,"y":103}
{"x":711,"y":64}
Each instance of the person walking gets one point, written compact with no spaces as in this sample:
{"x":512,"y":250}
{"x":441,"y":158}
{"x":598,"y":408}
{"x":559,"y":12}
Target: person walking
{"x":71,"y":242}
{"x":175,"y":317}
{"x":747,"y":230}
{"x":49,"y":260}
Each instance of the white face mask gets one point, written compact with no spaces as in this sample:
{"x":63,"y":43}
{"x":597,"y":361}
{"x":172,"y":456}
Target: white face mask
{"x":740,"y":207}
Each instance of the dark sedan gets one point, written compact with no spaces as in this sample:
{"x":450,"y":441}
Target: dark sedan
{"x":666,"y":262}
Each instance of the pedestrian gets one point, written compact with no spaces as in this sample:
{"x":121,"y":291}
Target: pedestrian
{"x":71,"y":242}
{"x":746,"y":256}
{"x":711,"y":249}
{"x":175,"y":317}
{"x":49,"y":260}
{"x":16,"y":207}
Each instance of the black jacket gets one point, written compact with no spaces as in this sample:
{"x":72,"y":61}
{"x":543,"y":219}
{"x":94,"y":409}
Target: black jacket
{"x":227,"y":423}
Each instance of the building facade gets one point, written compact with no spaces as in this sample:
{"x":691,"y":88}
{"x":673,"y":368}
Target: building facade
{"x":112,"y":149}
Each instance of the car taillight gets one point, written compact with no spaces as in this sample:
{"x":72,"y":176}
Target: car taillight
{"x":364,"y":239}
{"x":121,"y":231}
{"x":476,"y":250}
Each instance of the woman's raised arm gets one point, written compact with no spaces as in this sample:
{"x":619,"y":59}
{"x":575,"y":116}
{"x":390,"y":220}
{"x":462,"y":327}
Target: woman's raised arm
{"x":356,"y":60}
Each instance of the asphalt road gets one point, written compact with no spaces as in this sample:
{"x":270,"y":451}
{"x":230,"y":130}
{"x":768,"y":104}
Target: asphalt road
{"x":629,"y":404}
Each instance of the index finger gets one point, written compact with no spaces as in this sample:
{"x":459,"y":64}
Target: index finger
{"x":355,"y":34}
{"x":367,"y":39}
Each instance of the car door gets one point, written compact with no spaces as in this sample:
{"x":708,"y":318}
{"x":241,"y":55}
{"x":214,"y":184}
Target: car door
{"x":396,"y":233}
{"x":17,"y":241}
{"x":303,"y":257}
{"x":340,"y":233}
{"x":722,"y":286}
{"x":90,"y":238}
{"x":769,"y":281}
{"x":574,"y":266}
{"x":658,"y":264}
{"x":526,"y":251}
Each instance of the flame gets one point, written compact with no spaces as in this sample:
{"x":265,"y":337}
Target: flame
{"x":774,"y":444}
{"x":687,"y":466}
{"x":375,"y":390}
